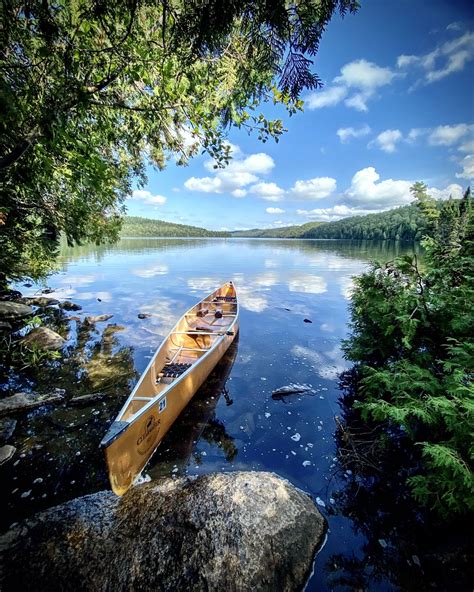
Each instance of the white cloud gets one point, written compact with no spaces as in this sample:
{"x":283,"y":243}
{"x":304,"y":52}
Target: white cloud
{"x":346,"y":133}
{"x":403,"y":61}
{"x":454,"y":190}
{"x":336,"y":212}
{"x":148,"y":198}
{"x":456,"y":26}
{"x":204,"y":184}
{"x":467,"y":164}
{"x":364,"y":75}
{"x":326,"y":98}
{"x":239,"y":193}
{"x":268,"y":191}
{"x":467,"y":146}
{"x":447,"y":135}
{"x":317,"y":188}
{"x":443,"y":60}
{"x":361,"y":76}
{"x":366,"y":190}
{"x":358,"y":102}
{"x":415,"y":133}
{"x":241,"y":172}
{"x":275,"y":211}
{"x":387,"y":140}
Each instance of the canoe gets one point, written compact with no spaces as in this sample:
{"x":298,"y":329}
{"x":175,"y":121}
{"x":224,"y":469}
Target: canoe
{"x":178,"y":368}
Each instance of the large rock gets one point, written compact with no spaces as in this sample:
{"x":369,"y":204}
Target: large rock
{"x":44,"y":338}
{"x":233,"y":532}
{"x":14,"y":310}
{"x":26,"y":401}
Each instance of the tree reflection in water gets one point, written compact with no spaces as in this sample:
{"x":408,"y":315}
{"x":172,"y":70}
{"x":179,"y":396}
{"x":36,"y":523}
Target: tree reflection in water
{"x":406,"y":545}
{"x":57,"y":446}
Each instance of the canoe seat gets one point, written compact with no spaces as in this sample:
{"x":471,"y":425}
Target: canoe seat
{"x":173,"y":370}
{"x":226,"y":298}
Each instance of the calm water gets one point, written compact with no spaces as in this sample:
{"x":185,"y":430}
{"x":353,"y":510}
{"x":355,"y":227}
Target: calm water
{"x":233,"y":423}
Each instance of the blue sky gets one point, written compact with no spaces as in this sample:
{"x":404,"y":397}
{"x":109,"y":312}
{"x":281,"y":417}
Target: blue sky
{"x":397,"y":107}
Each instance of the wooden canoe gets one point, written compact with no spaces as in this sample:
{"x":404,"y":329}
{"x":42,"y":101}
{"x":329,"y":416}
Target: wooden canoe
{"x":180,"y":365}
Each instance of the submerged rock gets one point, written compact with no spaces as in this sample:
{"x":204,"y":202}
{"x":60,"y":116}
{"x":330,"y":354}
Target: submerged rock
{"x":41,"y":301}
{"x":6,"y":453}
{"x":14,"y":310}
{"x":241,"y":532}
{"x":7,"y":427}
{"x":98,"y":319}
{"x":292,"y":389}
{"x":26,"y":401}
{"x":68,"y":305}
{"x":44,"y":338}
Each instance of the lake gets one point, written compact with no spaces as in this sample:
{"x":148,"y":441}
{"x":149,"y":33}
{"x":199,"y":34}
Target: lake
{"x":294,"y":299}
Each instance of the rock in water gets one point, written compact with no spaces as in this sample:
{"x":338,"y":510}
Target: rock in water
{"x":292,"y":389}
{"x":41,"y":301}
{"x":98,"y":319}
{"x":14,"y":310}
{"x":44,"y":338}
{"x":6,"y":453}
{"x":68,"y":305}
{"x":240,"y":532}
{"x":26,"y":401}
{"x":7,"y":427}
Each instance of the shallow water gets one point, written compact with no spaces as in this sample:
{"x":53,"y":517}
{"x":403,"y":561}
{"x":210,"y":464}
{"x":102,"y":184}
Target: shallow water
{"x":233,"y":423}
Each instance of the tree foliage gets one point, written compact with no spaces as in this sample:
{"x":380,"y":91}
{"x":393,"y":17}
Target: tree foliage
{"x":91,"y":92}
{"x":412,"y":337}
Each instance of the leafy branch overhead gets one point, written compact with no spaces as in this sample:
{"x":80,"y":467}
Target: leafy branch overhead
{"x":92,"y":92}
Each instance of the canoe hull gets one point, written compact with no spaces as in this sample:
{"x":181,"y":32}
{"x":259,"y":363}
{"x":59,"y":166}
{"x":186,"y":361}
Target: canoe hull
{"x":128,"y":453}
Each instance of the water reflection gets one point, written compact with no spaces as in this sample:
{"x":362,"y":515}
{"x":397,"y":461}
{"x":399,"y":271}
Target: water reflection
{"x":198,"y":421}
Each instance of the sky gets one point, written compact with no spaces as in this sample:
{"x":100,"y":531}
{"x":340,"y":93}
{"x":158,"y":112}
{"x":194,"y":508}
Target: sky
{"x":397,"y":107}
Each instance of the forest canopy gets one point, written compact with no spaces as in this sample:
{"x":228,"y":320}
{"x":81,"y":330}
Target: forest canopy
{"x":405,"y":223}
{"x":92,"y":92}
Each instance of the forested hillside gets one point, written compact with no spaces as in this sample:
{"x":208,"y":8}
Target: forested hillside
{"x":284,"y":232}
{"x":136,"y":226}
{"x":400,"y":224}
{"x":404,"y":223}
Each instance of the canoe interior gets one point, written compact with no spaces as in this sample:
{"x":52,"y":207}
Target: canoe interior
{"x":193,"y":336}
{"x":179,"y":367}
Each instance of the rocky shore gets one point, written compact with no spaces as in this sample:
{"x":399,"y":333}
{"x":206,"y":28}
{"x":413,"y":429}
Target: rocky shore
{"x":241,"y":531}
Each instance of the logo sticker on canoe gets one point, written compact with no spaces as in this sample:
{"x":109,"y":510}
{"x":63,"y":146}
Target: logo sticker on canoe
{"x":148,"y":435}
{"x":162,"y":406}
